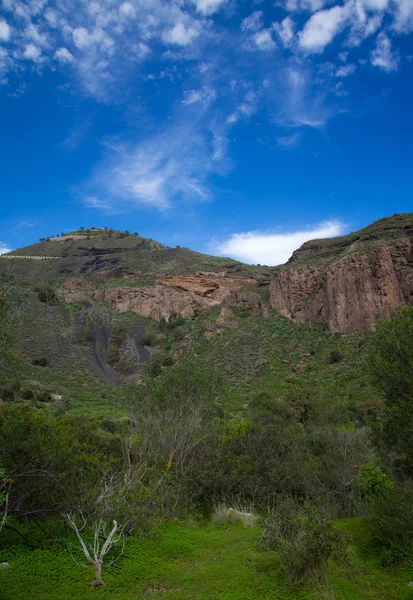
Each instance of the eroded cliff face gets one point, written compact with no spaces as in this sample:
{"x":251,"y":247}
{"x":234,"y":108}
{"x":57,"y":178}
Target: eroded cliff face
{"x":351,"y":293}
{"x":171,"y":295}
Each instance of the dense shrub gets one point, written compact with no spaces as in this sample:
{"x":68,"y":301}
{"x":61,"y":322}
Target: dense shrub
{"x":304,"y":538}
{"x":391,"y":522}
{"x":335,"y":357}
{"x":149,"y":338}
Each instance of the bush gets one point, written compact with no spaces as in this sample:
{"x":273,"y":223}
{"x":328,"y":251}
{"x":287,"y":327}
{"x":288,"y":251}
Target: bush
{"x":335,"y":357}
{"x":7,"y":393}
{"x":47,"y":294}
{"x":391,"y":522}
{"x":304,"y":538}
{"x":149,"y":338}
{"x":40,"y":362}
{"x":43,"y":397}
{"x":369,"y":411}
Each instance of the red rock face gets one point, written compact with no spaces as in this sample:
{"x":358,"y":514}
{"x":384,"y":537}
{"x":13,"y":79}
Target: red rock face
{"x":179,"y":295}
{"x":350,"y":294}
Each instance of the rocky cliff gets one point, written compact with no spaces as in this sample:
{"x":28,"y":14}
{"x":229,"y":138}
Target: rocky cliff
{"x":356,"y":280}
{"x":171,"y":295}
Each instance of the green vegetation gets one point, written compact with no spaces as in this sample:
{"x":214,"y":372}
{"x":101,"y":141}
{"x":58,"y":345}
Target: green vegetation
{"x":203,"y":562}
{"x":241,"y":455}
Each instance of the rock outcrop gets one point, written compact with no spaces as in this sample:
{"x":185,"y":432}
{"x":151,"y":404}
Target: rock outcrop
{"x":171,"y":295}
{"x":348,"y":294}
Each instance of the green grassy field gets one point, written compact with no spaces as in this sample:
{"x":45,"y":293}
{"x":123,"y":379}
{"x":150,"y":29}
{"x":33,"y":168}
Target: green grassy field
{"x":203,"y":562}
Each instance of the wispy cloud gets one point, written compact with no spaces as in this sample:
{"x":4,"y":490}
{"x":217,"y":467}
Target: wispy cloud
{"x":289,"y":141}
{"x":271,"y":247}
{"x":172,"y":165}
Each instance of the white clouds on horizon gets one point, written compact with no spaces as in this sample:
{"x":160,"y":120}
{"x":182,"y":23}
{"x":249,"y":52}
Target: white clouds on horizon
{"x":4,"y":248}
{"x":270,"y":247}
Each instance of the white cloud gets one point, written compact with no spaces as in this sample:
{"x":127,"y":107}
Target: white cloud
{"x":289,"y":141}
{"x":252,"y":23}
{"x":383,"y":56}
{"x":208,"y":7}
{"x":374,"y":4}
{"x":285,"y":30}
{"x":127,"y":11}
{"x":245,"y":109}
{"x":264,"y":41}
{"x":272,"y":248}
{"x":296,"y":101}
{"x":4,"y":248}
{"x":321,"y":29}
{"x":99,"y":204}
{"x":32,"y":52}
{"x":346,"y":70}
{"x":361,"y":23}
{"x":205,"y":96}
{"x":304,"y":5}
{"x":63,"y":56}
{"x":4,"y":31}
{"x":172,"y":166}
{"x":180,"y":35}
{"x":81,"y":37}
{"x":403,"y":22}
{"x":31,"y":33}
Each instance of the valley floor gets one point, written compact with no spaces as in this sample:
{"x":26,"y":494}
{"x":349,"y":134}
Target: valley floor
{"x":200,"y":563}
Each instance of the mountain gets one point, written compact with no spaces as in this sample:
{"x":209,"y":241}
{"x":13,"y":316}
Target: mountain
{"x":351,"y":281}
{"x":105,"y":307}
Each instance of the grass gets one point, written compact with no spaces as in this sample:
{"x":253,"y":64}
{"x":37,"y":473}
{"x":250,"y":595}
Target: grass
{"x":260,"y":354}
{"x":193,"y":561}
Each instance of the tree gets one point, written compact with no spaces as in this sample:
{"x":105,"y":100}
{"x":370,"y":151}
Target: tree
{"x":96,"y":555}
{"x":174,"y":416}
{"x":81,"y":228}
{"x":391,"y":366}
{"x":4,"y":498}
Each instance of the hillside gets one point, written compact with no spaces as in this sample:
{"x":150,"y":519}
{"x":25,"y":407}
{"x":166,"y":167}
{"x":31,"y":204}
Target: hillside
{"x":96,"y":315}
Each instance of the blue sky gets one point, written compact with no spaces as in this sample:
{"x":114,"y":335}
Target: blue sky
{"x":233,"y":127}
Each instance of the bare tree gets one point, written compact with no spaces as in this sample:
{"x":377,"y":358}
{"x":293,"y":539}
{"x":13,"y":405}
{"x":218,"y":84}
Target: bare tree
{"x":95,"y":554}
{"x":4,"y":498}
